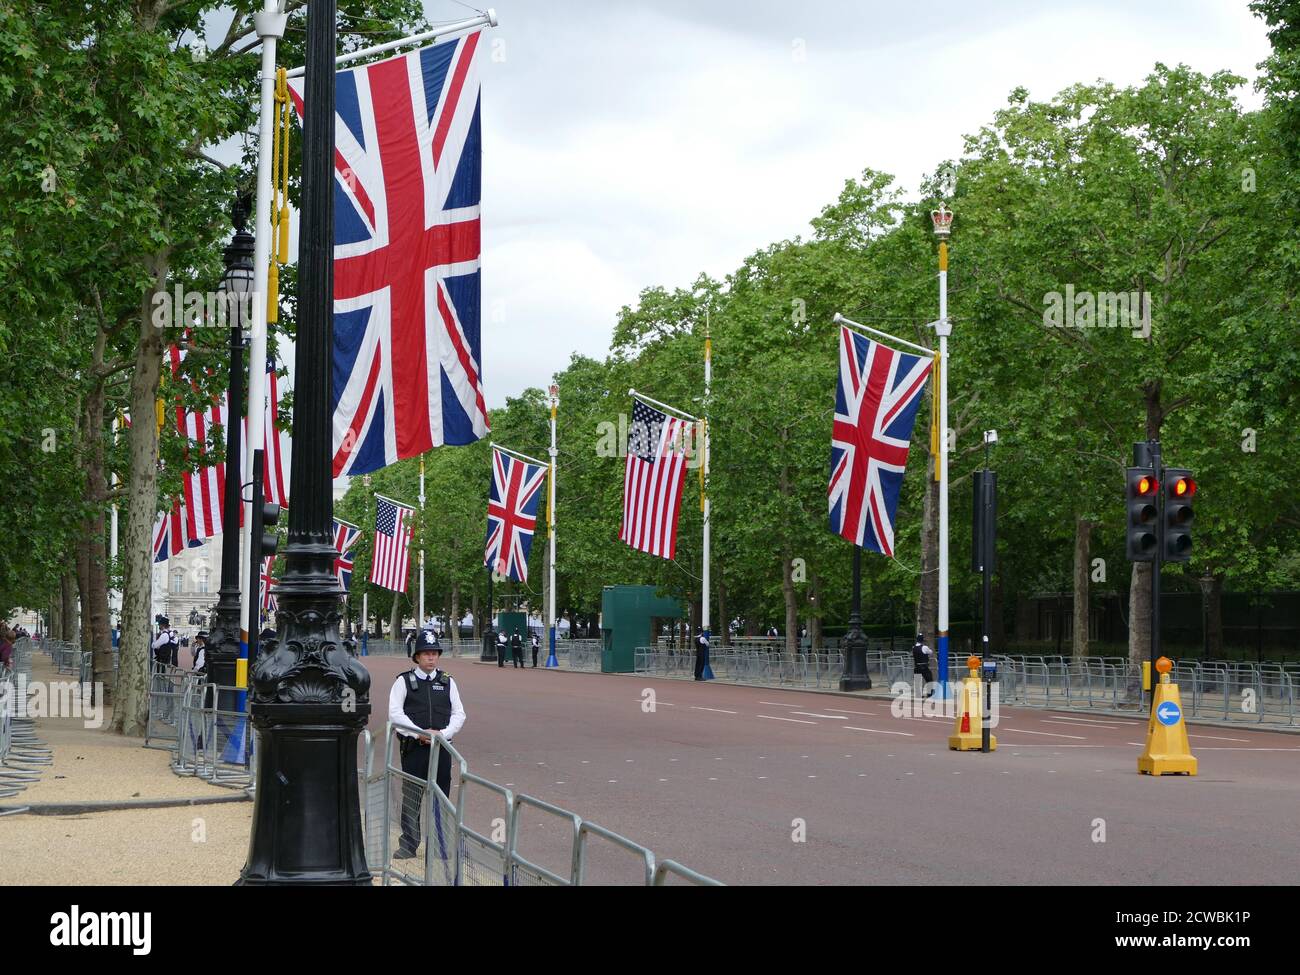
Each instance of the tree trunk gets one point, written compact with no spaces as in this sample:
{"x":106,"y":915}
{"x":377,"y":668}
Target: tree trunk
{"x":791,"y":606}
{"x":92,"y":438}
{"x":395,"y":619}
{"x":815,"y":613}
{"x":1082,"y":549}
{"x":83,"y":587}
{"x":927,"y":604}
{"x":454,"y":620}
{"x":68,"y":593}
{"x":1139,"y":614}
{"x":724,"y":624}
{"x":478,"y":623}
{"x":131,"y":712}
{"x":1214,"y":617}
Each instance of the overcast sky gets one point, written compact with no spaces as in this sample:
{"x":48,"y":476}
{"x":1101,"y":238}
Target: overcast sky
{"x":628,"y":144}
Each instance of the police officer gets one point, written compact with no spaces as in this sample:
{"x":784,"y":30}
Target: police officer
{"x":921,"y":663}
{"x":423,"y":700}
{"x":536,"y":644}
{"x":501,"y":648}
{"x":200,"y":657}
{"x":701,"y":654}
{"x":166,"y":644}
{"x":516,"y":649}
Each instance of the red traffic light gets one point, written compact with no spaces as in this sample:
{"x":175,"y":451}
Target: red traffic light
{"x":1184,"y":487}
{"x":1146,"y":485}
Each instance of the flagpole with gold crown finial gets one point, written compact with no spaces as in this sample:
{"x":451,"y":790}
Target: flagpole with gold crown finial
{"x":942,"y":219}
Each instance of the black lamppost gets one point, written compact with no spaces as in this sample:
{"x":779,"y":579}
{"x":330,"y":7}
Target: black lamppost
{"x":311,"y":696}
{"x":236,"y":284}
{"x":855,"y":676}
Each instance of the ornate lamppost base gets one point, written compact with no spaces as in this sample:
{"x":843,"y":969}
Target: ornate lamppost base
{"x":307,"y":824}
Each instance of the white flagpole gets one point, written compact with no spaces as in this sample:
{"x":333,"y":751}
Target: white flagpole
{"x":269,"y":24}
{"x":488,"y":19}
{"x":708,"y":502}
{"x":551,"y":661}
{"x":420,"y":621}
{"x":942,"y":225}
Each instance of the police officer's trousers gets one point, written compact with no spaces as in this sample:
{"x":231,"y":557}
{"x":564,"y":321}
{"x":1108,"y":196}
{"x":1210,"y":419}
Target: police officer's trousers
{"x":415,"y":761}
{"x":501,"y":655}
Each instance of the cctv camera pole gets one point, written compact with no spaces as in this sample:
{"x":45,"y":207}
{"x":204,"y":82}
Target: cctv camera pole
{"x":311,"y":695}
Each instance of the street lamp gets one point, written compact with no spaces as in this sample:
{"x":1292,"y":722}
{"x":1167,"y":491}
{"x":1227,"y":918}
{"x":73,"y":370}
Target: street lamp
{"x":311,"y":695}
{"x":236,"y":282}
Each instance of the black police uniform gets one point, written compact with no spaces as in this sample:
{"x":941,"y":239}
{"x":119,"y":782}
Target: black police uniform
{"x":701,"y":654}
{"x":427,"y":705}
{"x":536,"y":643}
{"x":516,"y":650}
{"x":921,"y":663}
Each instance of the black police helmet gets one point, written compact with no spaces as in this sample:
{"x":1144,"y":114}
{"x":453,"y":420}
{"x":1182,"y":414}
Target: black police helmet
{"x":428,"y":640}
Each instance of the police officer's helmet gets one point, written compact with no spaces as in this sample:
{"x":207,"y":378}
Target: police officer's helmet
{"x":428,"y":640}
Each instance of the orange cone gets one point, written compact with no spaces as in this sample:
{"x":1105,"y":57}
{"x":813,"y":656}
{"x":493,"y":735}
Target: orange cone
{"x":965,"y":723}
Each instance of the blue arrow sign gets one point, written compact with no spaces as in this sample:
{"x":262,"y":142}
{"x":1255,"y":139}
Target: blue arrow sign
{"x":1169,"y":713}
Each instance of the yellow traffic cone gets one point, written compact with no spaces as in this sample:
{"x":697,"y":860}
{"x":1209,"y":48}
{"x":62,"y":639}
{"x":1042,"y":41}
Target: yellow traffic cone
{"x":1167,"y":751}
{"x":968,"y":730}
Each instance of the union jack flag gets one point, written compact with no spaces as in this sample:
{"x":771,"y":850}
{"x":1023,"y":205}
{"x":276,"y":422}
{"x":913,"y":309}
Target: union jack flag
{"x":876,"y":400}
{"x":345,"y":536}
{"x":266,"y":582}
{"x":512,"y":514}
{"x":407,"y":353}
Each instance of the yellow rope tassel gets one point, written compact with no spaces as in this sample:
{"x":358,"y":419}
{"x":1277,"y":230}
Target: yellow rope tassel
{"x":934,"y":415}
{"x":160,"y":414}
{"x":273,"y":294}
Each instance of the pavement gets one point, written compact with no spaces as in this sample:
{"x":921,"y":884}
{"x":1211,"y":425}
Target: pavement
{"x":749,"y":785}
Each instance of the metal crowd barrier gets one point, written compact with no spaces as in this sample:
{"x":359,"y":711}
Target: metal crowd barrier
{"x":20,"y":748}
{"x":821,"y":671}
{"x":453,"y":853}
{"x":1246,"y":692}
{"x":211,"y":743}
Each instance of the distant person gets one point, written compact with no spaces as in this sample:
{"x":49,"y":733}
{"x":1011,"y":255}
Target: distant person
{"x":771,"y":631}
{"x":921,"y":655}
{"x":166,"y":644}
{"x":501,"y":648}
{"x":536,"y":646}
{"x":423,"y":700}
{"x":6,"y":646}
{"x":200,"y":664}
{"x":701,"y":653}
{"x":410,"y":642}
{"x":516,"y":650}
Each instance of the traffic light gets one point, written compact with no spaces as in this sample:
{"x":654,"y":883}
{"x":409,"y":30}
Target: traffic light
{"x":1179,"y":490}
{"x":1142,"y":514}
{"x":270,"y":540}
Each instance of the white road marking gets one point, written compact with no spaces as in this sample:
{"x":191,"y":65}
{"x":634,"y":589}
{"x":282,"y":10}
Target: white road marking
{"x":696,"y":707}
{"x":1103,"y":724}
{"x":906,"y":734}
{"x":559,"y":783}
{"x":612,"y":781}
{"x":772,"y":717}
{"x":810,"y":714}
{"x":843,"y":711}
{"x":1216,"y":738}
{"x":812,"y":776}
{"x":1049,"y":734}
{"x":712,"y":779}
{"x":663,"y":780}
{"x":762,"y":776}
{"x":909,"y":773}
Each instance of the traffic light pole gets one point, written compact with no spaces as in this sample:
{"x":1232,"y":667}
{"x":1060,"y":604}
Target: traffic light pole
{"x":1157,"y":473}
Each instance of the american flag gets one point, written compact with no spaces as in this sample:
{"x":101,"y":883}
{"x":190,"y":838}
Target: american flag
{"x":392,"y":555}
{"x":266,"y":582}
{"x":876,"y":400}
{"x":512,"y":514}
{"x":652,"y":485}
{"x":276,"y":460}
{"x":345,"y":536}
{"x":407,"y":353}
{"x":196,"y":514}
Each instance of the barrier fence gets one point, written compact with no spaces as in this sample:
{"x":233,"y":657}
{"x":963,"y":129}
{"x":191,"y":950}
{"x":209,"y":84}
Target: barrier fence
{"x":20,"y":748}
{"x":453,"y":849}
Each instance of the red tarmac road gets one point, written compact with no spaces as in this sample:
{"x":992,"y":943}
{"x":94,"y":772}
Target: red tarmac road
{"x":763,"y":786}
